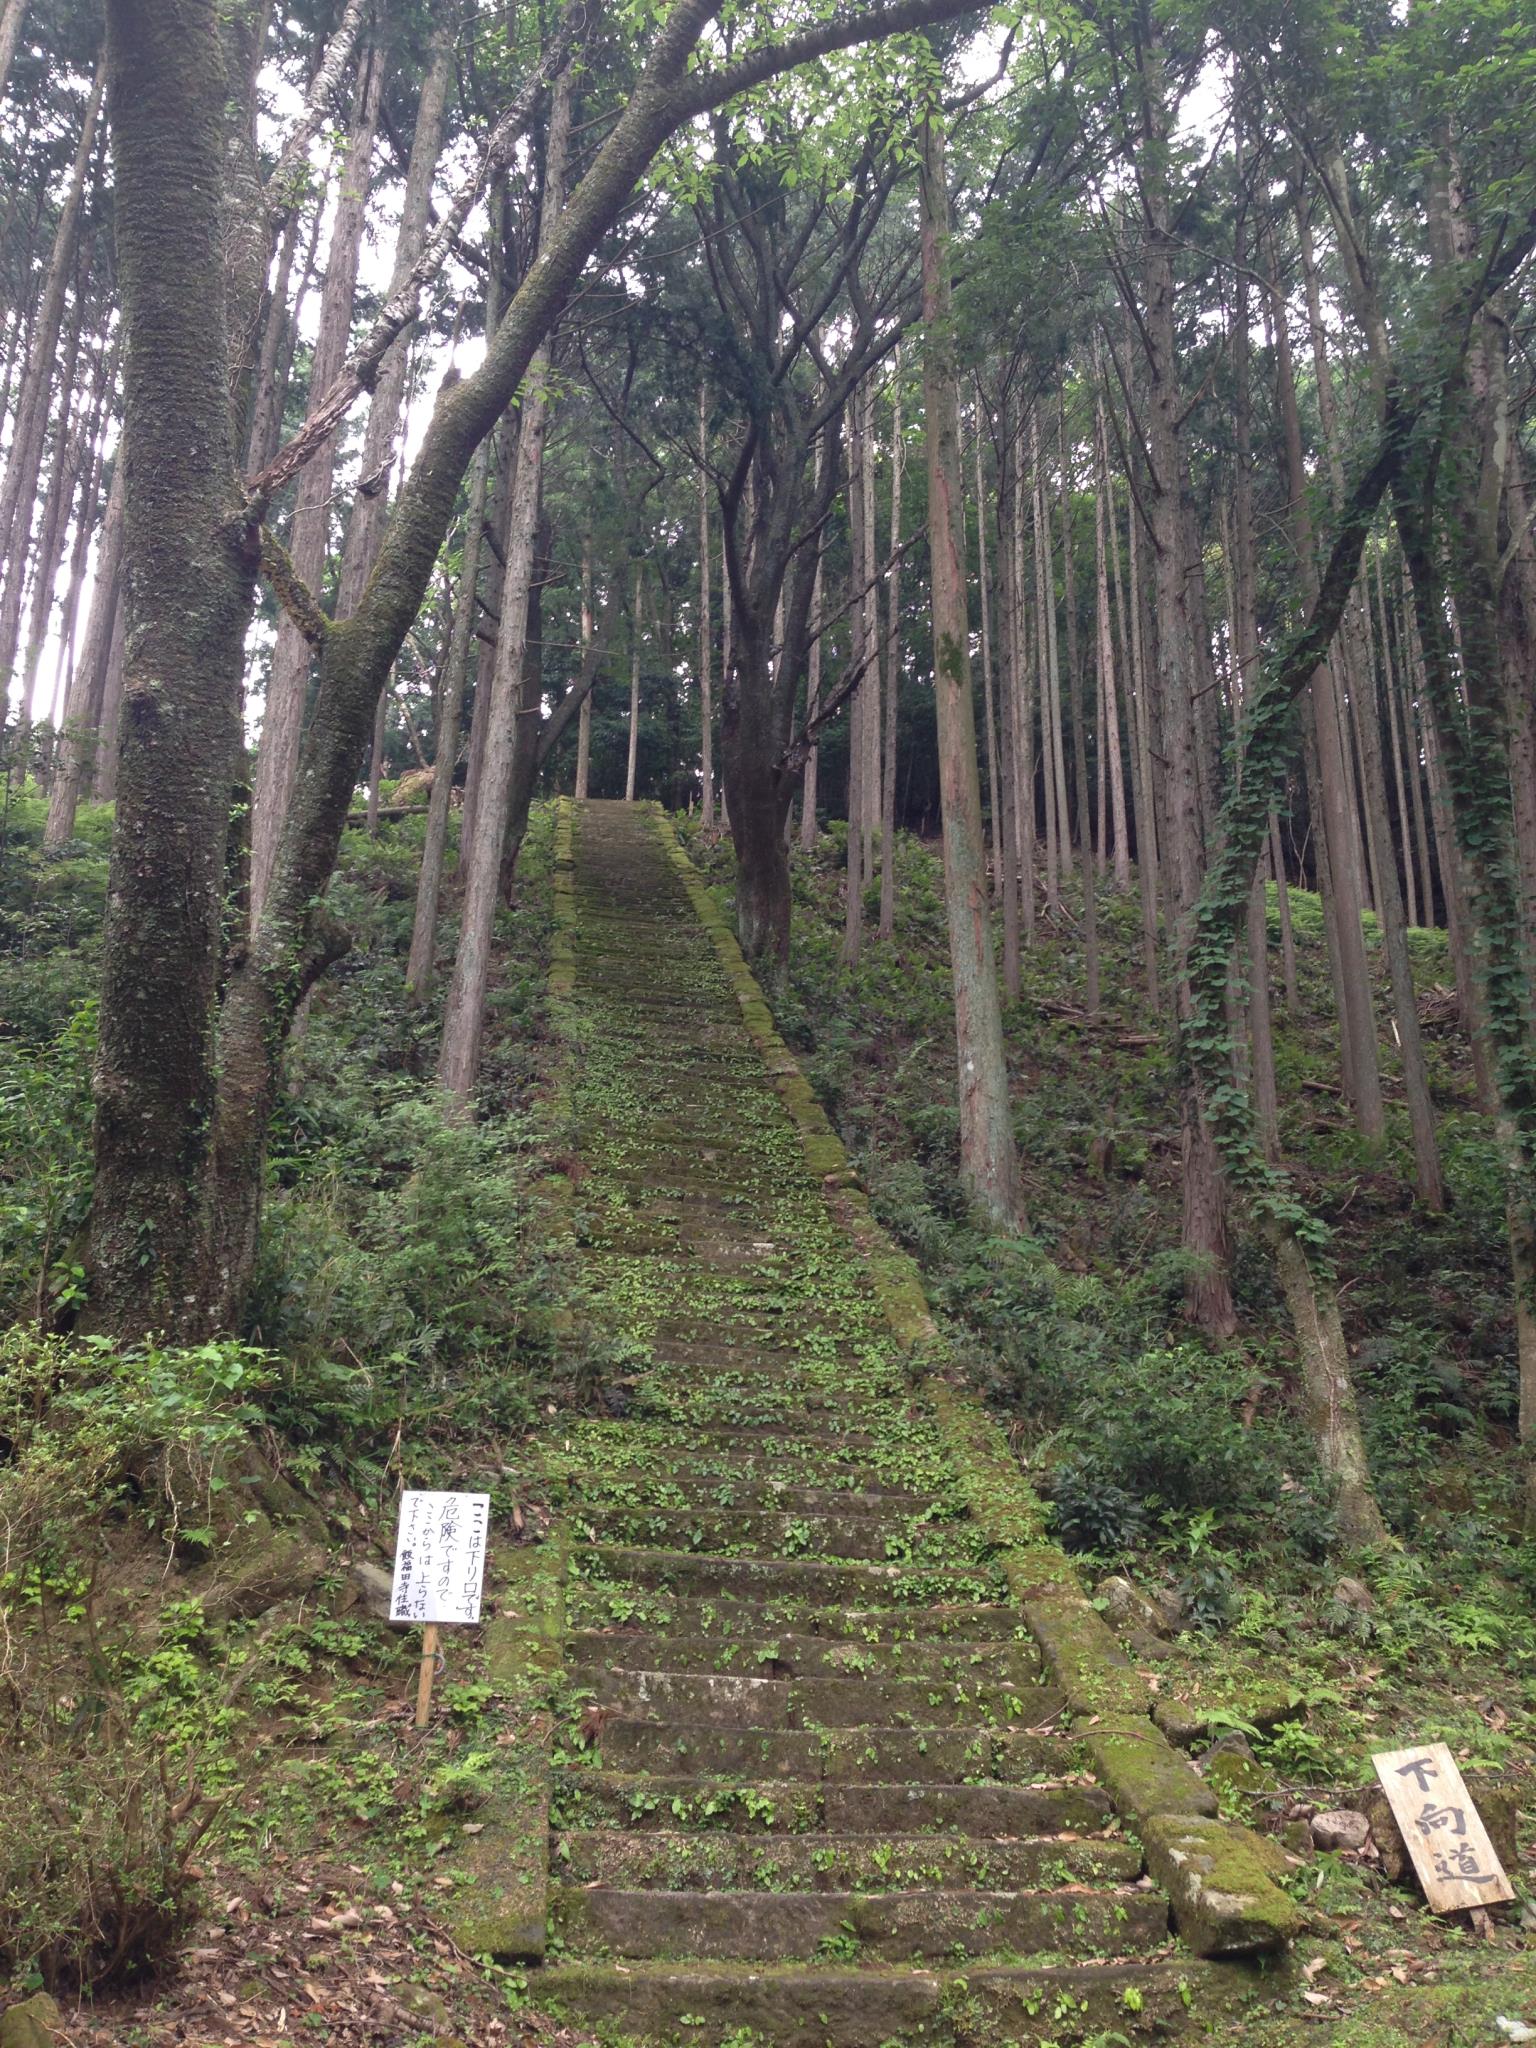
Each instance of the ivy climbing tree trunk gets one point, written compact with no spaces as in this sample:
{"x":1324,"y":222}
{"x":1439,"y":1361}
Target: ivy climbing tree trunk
{"x":1296,"y":1239}
{"x":989,"y":1167}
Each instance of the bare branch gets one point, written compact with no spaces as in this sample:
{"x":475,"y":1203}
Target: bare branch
{"x":360,"y":371}
{"x":285,"y":184}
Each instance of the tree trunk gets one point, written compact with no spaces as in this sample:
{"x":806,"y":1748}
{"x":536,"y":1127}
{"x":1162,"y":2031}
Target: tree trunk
{"x":1024,"y":755}
{"x":1381,"y":633}
{"x":706,"y":632}
{"x":1008,"y":848}
{"x":277,"y":756}
{"x":891,"y":671}
{"x":989,"y":1168}
{"x":1410,"y":1043}
{"x":1087,"y":867}
{"x":1334,"y":820}
{"x":1184,"y":674}
{"x":1332,"y":1416}
{"x":634,"y":693}
{"x":1109,"y":685}
{"x":584,"y":718}
{"x":988,"y":703}
{"x":71,"y":452}
{"x":505,"y":472}
{"x":87,"y":691}
{"x":858,"y":703}
{"x":808,"y":826}
{"x":464,"y":1017}
{"x":189,"y":570}
{"x":1049,"y":671}
{"x":11,"y":17}
{"x":466,"y":611}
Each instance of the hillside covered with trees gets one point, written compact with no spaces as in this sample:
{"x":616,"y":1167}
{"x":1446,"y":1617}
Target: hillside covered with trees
{"x":769,"y":783}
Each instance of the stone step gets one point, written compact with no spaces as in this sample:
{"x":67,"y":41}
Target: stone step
{"x":742,"y":1408}
{"x":834,"y":1863}
{"x":681,"y":1487}
{"x":736,"y":1700}
{"x":878,"y":1538}
{"x":590,"y":1605}
{"x":846,"y":1756}
{"x":879,"y":1927}
{"x":991,"y":2006}
{"x":860,"y":1585}
{"x":803,"y":1656}
{"x":586,"y":1798}
{"x":615,"y":1447}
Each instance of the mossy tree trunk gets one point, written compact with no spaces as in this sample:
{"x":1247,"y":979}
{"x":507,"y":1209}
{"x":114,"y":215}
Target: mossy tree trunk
{"x":190,"y":563}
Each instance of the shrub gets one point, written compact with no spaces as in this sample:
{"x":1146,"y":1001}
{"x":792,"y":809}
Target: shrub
{"x":98,"y":1831}
{"x":45,"y":1127}
{"x":1166,"y":1426}
{"x":1091,"y":1513}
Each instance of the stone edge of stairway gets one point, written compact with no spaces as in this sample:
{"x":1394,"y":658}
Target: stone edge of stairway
{"x":1219,"y":1875}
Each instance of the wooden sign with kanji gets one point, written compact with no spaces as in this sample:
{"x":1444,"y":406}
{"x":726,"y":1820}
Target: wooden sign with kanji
{"x":1451,"y":1852}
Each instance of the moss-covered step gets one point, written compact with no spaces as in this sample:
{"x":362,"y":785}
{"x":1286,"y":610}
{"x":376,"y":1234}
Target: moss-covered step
{"x":862,"y":1755}
{"x":803,"y":1656}
{"x":867,"y":1538}
{"x":699,"y":2005}
{"x":738,"y":1699}
{"x":918,"y":1926}
{"x":682,"y":1486}
{"x":801,"y":1542}
{"x":595,"y":1603}
{"x":857,"y":1585}
{"x":833,"y":1863}
{"x":586,"y":1798}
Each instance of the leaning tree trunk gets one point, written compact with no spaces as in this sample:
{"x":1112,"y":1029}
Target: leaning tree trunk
{"x":370,"y":507}
{"x":989,"y":1166}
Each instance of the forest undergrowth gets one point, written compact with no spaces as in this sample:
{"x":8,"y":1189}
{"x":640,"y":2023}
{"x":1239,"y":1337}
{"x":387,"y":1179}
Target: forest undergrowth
{"x":203,"y":1714}
{"x":1183,"y":1468}
{"x":209,"y":1716}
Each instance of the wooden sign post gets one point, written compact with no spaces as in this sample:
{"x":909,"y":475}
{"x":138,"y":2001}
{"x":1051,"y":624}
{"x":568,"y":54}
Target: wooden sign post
{"x":1456,"y":1862}
{"x":439,"y":1572}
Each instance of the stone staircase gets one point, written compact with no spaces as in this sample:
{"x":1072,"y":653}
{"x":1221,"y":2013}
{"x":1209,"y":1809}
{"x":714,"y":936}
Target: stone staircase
{"x":810,"y":1781}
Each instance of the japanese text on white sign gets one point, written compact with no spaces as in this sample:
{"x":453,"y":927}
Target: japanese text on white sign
{"x":440,"y":1557}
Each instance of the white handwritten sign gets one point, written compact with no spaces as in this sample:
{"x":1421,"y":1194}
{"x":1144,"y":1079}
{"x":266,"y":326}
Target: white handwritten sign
{"x":1456,"y":1862}
{"x":440,"y":1557}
